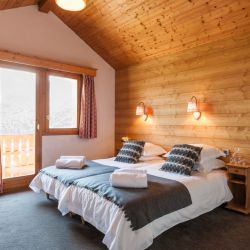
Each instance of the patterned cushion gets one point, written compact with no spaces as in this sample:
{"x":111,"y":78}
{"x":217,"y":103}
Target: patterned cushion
{"x":130,"y":152}
{"x":182,"y":159}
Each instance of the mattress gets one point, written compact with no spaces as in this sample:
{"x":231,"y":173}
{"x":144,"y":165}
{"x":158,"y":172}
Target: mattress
{"x":54,"y":187}
{"x":207,"y":192}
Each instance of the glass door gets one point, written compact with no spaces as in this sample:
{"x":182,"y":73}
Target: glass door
{"x":18,"y":122}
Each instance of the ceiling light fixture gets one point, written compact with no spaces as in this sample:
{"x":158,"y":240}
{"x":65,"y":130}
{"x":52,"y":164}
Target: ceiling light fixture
{"x":71,"y":5}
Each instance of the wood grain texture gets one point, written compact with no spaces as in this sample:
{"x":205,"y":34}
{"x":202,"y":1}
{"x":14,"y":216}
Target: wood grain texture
{"x":46,"y":5}
{"x":10,"y":4}
{"x":128,"y":32}
{"x":12,"y":57}
{"x":218,"y":74}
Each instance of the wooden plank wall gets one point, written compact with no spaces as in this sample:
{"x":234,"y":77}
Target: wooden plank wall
{"x":218,"y":74}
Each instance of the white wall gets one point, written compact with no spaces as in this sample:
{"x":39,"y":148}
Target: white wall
{"x":28,"y":31}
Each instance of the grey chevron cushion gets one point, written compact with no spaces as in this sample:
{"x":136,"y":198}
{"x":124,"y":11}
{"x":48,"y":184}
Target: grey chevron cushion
{"x":182,"y":159}
{"x":130,"y":152}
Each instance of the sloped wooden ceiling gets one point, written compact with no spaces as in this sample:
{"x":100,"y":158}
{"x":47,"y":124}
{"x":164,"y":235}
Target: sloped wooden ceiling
{"x":9,"y":4}
{"x":126,"y":32}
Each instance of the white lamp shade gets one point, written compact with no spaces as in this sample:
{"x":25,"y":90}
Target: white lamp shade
{"x":71,"y":5}
{"x":140,"y":110}
{"x":192,"y":107}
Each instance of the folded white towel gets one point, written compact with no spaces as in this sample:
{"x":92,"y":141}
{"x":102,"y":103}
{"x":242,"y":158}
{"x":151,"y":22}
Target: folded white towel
{"x":70,"y":163}
{"x":128,"y":180}
{"x":132,"y":170}
{"x":72,"y":157}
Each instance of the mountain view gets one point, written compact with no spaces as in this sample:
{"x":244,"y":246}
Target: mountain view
{"x":17,"y":102}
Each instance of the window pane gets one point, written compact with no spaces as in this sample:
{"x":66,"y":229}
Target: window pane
{"x":62,"y":102}
{"x":17,"y":122}
{"x":17,"y":101}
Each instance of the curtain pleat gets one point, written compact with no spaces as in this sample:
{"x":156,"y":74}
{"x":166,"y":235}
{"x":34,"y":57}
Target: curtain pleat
{"x":88,"y":115}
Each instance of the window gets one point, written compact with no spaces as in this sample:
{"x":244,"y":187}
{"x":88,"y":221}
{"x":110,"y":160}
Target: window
{"x":63,"y":102}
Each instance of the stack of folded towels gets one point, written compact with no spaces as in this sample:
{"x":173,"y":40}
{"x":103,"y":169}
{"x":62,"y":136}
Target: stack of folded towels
{"x":71,"y":162}
{"x":129,"y":178}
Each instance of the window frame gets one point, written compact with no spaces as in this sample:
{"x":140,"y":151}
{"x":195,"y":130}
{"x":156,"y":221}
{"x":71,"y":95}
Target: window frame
{"x":61,"y":131}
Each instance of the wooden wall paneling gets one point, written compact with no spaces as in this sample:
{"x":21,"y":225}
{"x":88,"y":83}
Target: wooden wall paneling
{"x":217,"y":73}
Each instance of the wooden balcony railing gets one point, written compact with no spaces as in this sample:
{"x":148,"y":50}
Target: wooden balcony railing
{"x":17,"y":155}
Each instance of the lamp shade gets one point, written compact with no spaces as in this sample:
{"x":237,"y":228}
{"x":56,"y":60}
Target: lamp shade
{"x":140,"y":109}
{"x":71,"y":5}
{"x":192,"y":107}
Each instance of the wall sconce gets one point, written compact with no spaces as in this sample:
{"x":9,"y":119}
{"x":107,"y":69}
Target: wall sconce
{"x":193,"y":108}
{"x":141,"y":110}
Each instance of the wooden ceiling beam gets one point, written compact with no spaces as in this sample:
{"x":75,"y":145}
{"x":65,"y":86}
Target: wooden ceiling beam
{"x":7,"y":56}
{"x":46,"y":5}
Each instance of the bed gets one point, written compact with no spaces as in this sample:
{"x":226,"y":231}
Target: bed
{"x":207,"y":192}
{"x":54,"y":187}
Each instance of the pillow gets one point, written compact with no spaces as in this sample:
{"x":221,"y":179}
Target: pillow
{"x":182,"y":159}
{"x":150,"y":158}
{"x":130,"y":151}
{"x":151,"y":149}
{"x":207,"y":152}
{"x":209,"y":165}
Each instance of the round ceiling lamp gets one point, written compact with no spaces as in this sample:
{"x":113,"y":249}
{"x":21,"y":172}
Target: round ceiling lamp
{"x":71,"y":5}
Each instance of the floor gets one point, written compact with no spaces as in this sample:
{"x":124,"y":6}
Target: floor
{"x":30,"y":222}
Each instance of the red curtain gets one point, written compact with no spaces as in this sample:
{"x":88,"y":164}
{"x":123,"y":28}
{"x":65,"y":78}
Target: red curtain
{"x":1,"y":176}
{"x":88,"y":120}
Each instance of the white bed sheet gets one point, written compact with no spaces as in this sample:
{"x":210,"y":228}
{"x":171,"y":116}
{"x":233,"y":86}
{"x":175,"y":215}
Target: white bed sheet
{"x":207,"y":192}
{"x":49,"y":185}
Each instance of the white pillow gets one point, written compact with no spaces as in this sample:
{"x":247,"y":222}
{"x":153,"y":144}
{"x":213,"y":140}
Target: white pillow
{"x":151,"y":149}
{"x":150,"y":158}
{"x":209,"y":152}
{"x":209,"y":165}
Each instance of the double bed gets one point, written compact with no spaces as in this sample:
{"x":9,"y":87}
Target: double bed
{"x":207,"y":192}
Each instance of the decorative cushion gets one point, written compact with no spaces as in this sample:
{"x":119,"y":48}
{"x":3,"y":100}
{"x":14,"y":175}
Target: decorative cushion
{"x":208,"y":152}
{"x":130,"y":152}
{"x":182,"y":159}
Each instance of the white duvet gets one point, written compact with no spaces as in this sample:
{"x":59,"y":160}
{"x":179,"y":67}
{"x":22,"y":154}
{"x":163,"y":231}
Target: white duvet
{"x":207,"y":192}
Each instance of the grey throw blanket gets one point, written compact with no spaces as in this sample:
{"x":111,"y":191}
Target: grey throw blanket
{"x":141,"y":206}
{"x":68,"y":176}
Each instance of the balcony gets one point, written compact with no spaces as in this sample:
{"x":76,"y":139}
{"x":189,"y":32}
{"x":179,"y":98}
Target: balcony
{"x":18,"y":155}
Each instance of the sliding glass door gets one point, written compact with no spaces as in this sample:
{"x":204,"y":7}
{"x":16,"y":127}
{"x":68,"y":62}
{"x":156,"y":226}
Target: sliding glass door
{"x":18,"y":122}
